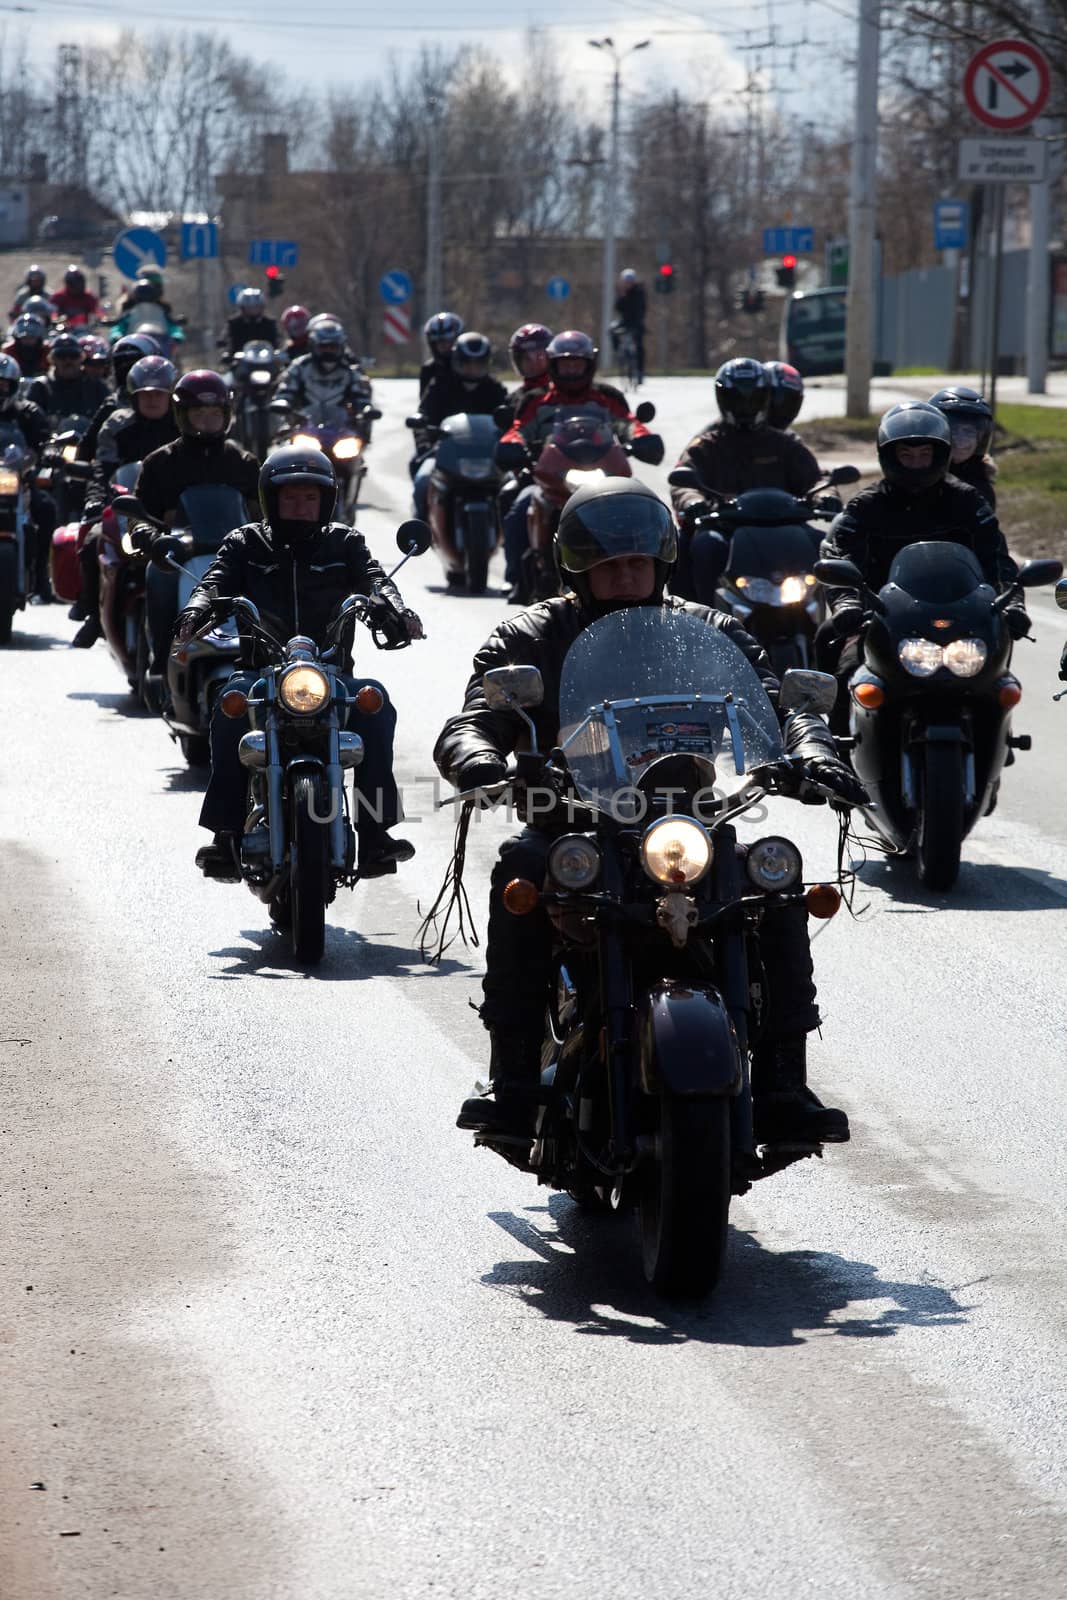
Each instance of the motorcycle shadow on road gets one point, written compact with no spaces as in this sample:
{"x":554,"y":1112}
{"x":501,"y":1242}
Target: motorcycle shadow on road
{"x":122,"y":700}
{"x":21,"y":642}
{"x":349,"y":956}
{"x":588,"y":1275}
{"x":981,"y":886}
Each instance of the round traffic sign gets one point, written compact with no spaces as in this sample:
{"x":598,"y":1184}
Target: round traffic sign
{"x":396,"y":288}
{"x":557,"y":288}
{"x":1006,"y":84}
{"x":137,"y":248}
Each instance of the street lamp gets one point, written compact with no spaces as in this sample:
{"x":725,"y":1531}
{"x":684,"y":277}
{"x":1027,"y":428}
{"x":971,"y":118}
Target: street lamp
{"x":611,"y":193}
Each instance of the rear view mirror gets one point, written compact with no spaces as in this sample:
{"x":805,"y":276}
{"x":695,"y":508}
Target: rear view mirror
{"x":645,"y":412}
{"x":503,"y":416}
{"x":1061,"y":594}
{"x":415,"y":422}
{"x":1032,"y":574}
{"x":839,"y":573}
{"x":413,"y":538}
{"x":511,"y":688}
{"x":845,"y":475}
{"x":804,"y":690}
{"x":683,"y":478}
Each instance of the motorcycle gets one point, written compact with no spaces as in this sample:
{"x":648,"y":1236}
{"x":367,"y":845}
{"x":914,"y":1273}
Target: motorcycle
{"x":768,"y":583}
{"x":930,"y":706}
{"x":16,"y":531}
{"x":151,"y":318}
{"x":299,"y":843}
{"x":60,"y":472}
{"x":666,"y":737}
{"x":464,"y":495}
{"x":122,"y":587}
{"x":256,"y":370}
{"x":197,"y":671}
{"x":344,"y":440}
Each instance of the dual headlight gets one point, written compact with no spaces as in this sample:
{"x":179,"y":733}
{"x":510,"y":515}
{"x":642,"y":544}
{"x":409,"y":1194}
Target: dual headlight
{"x":923,"y":657}
{"x":676,"y":852}
{"x":792,"y":591}
{"x":304,"y":690}
{"x":347,"y":449}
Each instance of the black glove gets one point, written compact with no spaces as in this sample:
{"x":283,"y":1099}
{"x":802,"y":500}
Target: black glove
{"x":691,"y":514}
{"x":141,"y":537}
{"x":647,"y":447}
{"x":190,"y":621}
{"x":480,"y":772}
{"x":387,"y":620}
{"x":1063,"y":665}
{"x":1018,"y":622}
{"x":827,"y":773}
{"x":511,"y":454}
{"x":847,"y":619}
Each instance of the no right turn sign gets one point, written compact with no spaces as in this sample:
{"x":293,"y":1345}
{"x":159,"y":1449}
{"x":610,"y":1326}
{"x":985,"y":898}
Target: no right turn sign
{"x":1006,"y":84}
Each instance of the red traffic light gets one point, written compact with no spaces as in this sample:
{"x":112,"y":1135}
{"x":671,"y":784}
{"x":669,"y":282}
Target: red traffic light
{"x":666,"y":270}
{"x":787,"y":261}
{"x":273,"y":272}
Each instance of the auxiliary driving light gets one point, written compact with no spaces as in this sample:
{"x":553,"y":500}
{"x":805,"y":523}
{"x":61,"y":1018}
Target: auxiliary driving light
{"x":773,"y":864}
{"x":574,"y":862}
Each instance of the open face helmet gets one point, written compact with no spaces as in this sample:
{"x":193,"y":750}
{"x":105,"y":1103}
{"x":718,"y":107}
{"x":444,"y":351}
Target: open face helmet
{"x":251,"y":302}
{"x":970,"y":421}
{"x":10,"y":378}
{"x":151,"y":372}
{"x":527,"y":348}
{"x":471,"y":356}
{"x":442,"y":331}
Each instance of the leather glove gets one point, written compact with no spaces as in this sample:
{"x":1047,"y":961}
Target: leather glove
{"x":188,"y":622}
{"x":141,"y":537}
{"x":480,"y":772}
{"x":1063,"y":665}
{"x":847,"y":619}
{"x":1018,"y":622}
{"x":648,"y":447}
{"x":841,"y":781}
{"x":511,"y":453}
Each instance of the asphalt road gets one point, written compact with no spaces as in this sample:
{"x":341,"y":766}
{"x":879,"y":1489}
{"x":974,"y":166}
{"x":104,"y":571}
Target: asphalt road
{"x":272,"y":1329}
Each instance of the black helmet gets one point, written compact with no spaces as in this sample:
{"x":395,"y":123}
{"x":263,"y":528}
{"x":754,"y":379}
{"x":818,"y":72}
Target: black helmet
{"x":146,"y":289}
{"x":616,"y":517}
{"x":64,"y":345}
{"x":743,"y":392}
{"x":194,"y":390}
{"x":28,"y":329}
{"x":572,"y":345}
{"x":970,"y":420}
{"x":35,"y":270}
{"x":326,"y":341}
{"x":787,"y":393}
{"x":309,"y":468}
{"x":914,"y":422}
{"x":442,"y":331}
{"x":128,"y":350}
{"x":471,"y":355}
{"x":74,"y":278}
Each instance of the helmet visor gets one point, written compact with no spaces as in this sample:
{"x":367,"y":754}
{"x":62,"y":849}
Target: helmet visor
{"x":616,"y":525}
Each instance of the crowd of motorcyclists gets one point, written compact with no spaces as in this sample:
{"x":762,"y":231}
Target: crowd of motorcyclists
{"x":607,"y":542}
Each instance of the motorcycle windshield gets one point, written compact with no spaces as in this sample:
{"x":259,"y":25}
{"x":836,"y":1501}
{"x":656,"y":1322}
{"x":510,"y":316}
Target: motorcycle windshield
{"x":583,"y":439}
{"x":646,"y":684}
{"x":467,"y":438}
{"x":211,"y":511}
{"x":773,"y":553}
{"x":936,"y":572}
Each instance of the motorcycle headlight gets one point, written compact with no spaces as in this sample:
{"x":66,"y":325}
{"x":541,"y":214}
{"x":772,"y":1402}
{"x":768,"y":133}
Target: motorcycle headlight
{"x":70,"y":452}
{"x":676,"y":851}
{"x":574,"y":862}
{"x":9,"y":483}
{"x":304,"y":689}
{"x":304,"y":441}
{"x":260,"y":376}
{"x":579,"y":477}
{"x":475,"y":467}
{"x":773,"y":864}
{"x":345,"y":449}
{"x":761,"y":591}
{"x":795,"y":589}
{"x":965,"y":657}
{"x":921,"y":657}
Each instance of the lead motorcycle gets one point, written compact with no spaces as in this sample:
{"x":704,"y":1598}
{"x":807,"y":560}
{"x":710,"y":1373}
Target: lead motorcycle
{"x":299,"y":843}
{"x":930,"y":707}
{"x":667,"y":738}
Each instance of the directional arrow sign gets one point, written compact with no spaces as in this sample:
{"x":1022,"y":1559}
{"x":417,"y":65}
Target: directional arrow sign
{"x":1006,"y":84}
{"x":137,"y":248}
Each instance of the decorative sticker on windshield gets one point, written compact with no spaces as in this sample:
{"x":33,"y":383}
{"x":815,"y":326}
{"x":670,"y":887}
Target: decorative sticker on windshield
{"x":677,"y":738}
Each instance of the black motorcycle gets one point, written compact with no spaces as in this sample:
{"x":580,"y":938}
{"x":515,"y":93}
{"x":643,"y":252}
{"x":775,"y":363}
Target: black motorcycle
{"x":299,"y":842}
{"x":666,"y":737}
{"x":464,"y":494}
{"x":256,"y":370}
{"x":930,"y":707}
{"x":59,"y":470}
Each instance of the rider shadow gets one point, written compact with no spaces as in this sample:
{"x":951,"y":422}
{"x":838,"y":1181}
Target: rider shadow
{"x":126,"y":702}
{"x":184,"y":780}
{"x":588,"y":1275}
{"x":981,"y":886}
{"x":349,"y":956}
{"x":21,"y":642}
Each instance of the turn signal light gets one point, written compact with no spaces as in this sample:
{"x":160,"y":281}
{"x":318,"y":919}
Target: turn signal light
{"x":521,"y":897}
{"x":1010,"y":693}
{"x":234,"y":703}
{"x":370,"y":699}
{"x":869,"y":695}
{"x":823,"y":901}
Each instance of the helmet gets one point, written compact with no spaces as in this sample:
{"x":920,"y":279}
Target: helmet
{"x":35,"y":305}
{"x":743,"y":393}
{"x":914,"y":422}
{"x":568,"y":346}
{"x":10,"y":378}
{"x":471,"y":355}
{"x":295,"y":320}
{"x":146,"y":288}
{"x":628,"y":276}
{"x":64,"y":345}
{"x":128,"y":350}
{"x":151,"y":372}
{"x":442,"y":331}
{"x":616,"y":517}
{"x":152,"y":275}
{"x":28,"y":329}
{"x":298,"y":464}
{"x":95,"y":353}
{"x":35,"y":270}
{"x":326,"y":339}
{"x":787,"y":392}
{"x":251,"y":299}
{"x":970,"y":421}
{"x":532,"y":338}
{"x":200,"y":388}
{"x":74,"y":278}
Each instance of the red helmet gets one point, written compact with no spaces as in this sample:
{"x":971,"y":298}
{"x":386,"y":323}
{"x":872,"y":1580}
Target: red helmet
{"x":294,"y":320}
{"x":196,"y":389}
{"x":787,"y":393}
{"x":95,"y":351}
{"x":532,"y":339}
{"x":572,"y":347}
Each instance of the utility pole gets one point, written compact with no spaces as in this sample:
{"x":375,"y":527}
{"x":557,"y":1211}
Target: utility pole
{"x":1037,"y":285}
{"x":433,"y":285}
{"x":611,"y":198}
{"x":859,"y":340}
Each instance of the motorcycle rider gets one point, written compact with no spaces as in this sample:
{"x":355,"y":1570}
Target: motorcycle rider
{"x":572,"y":361}
{"x":528,"y":349}
{"x":27,"y":345}
{"x":30,"y":421}
{"x":787,"y":394}
{"x":250,"y":321}
{"x":130,"y":433}
{"x":32,"y":284}
{"x":915,"y":499}
{"x":75,"y":302}
{"x":295,"y":321}
{"x":147,"y":288}
{"x":326,"y":385}
{"x":67,"y":391}
{"x":615,"y":546}
{"x":297,"y":565}
{"x":631,"y":309}
{"x":465,"y":385}
{"x":125,"y":353}
{"x":96,"y":358}
{"x":970,"y":422}
{"x":441,"y":333}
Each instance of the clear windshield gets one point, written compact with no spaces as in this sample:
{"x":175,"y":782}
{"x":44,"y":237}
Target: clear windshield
{"x":644,"y":685}
{"x":211,"y":511}
{"x":936,"y":571}
{"x":773,"y":553}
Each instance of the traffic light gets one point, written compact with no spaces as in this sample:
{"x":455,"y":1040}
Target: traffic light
{"x":786,"y":274}
{"x":664,"y":278}
{"x":752,"y":302}
{"x":275,"y":282}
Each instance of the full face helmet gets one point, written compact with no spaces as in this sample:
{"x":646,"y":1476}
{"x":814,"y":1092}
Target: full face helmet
{"x":970,"y":421}
{"x":194,"y":391}
{"x":787,"y":393}
{"x":742,"y":392}
{"x":572,"y":358}
{"x":914,"y":423}
{"x":527,"y":348}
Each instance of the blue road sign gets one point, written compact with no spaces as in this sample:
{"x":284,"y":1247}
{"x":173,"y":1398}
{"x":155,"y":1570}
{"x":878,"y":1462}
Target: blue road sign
{"x":273,"y":252}
{"x":557,"y":288}
{"x":788,"y":241}
{"x":200,"y":241}
{"x":137,"y":248}
{"x":233,"y":291}
{"x":950,"y":224}
{"x":396,"y":288}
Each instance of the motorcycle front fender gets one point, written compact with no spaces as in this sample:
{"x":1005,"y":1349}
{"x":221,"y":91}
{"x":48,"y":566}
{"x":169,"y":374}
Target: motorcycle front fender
{"x":686,"y":1043}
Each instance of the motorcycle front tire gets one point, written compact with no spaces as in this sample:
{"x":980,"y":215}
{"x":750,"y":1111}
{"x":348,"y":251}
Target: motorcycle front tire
{"x":940,"y":838}
{"x":477,"y":542}
{"x":683,"y":1203}
{"x":308,"y":867}
{"x":9,"y":578}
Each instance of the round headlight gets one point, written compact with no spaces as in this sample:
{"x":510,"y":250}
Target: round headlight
{"x":345,"y":449}
{"x":920,"y":657}
{"x":574,"y":862}
{"x":965,"y":657}
{"x":676,"y":850}
{"x":305,"y":690}
{"x":773,"y":864}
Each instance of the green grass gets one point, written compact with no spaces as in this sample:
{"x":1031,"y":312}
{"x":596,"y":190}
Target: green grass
{"x":1032,"y":422}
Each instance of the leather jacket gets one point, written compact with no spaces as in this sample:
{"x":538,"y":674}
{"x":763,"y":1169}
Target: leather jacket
{"x":732,"y":460}
{"x":324,"y":397}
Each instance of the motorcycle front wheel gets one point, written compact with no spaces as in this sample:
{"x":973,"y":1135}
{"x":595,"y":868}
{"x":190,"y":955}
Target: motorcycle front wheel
{"x":477,"y":545}
{"x":9,"y":577}
{"x":683,"y":1203}
{"x":940,"y":838}
{"x":308,"y":864}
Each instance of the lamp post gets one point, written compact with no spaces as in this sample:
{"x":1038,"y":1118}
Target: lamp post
{"x":607,"y":300}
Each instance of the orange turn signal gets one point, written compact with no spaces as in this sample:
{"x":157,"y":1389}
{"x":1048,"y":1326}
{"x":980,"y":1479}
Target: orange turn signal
{"x":233,"y":703}
{"x":1010,"y":693}
{"x":370,"y":699}
{"x":521,"y":897}
{"x":823,"y":901}
{"x":869,"y":695}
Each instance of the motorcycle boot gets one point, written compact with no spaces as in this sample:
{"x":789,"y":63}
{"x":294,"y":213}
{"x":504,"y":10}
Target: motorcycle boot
{"x":220,"y":859}
{"x":784,"y":1109}
{"x":510,"y":1108}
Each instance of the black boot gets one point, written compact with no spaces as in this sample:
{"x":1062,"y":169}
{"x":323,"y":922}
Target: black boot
{"x":220,"y":859}
{"x":510,"y":1108}
{"x":383,"y":856}
{"x":784,"y":1109}
{"x":87,"y":635}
